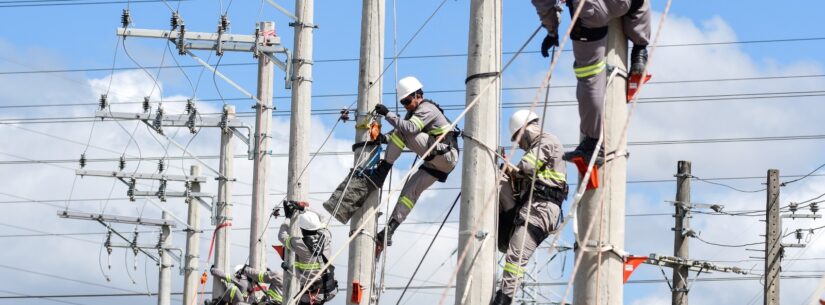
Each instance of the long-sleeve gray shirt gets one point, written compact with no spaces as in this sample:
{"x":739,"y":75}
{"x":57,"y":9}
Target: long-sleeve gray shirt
{"x":543,"y":156}
{"x":307,"y":262}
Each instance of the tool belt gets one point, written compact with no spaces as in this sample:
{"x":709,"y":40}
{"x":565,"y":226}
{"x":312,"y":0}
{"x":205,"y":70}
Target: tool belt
{"x":326,"y":285}
{"x":555,"y":195}
{"x":583,"y":33}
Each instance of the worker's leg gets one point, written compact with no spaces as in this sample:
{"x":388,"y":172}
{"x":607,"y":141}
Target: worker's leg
{"x":417,"y":184}
{"x":524,"y":241}
{"x":636,"y":22}
{"x":506,"y":213}
{"x":395,"y":145}
{"x":592,"y":81}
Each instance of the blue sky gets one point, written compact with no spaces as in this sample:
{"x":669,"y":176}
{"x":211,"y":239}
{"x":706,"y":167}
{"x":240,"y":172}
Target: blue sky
{"x":83,"y":36}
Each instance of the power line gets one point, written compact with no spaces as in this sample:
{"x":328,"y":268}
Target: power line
{"x":329,"y":60}
{"x":65,"y":3}
{"x":727,"y":245}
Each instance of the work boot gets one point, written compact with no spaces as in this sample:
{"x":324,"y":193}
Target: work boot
{"x":501,"y":299}
{"x":585,"y":151}
{"x":386,"y":232}
{"x":638,"y":59}
{"x":380,"y":173}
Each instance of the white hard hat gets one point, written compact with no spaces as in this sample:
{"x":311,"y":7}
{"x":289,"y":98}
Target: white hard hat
{"x":407,"y":86}
{"x":519,"y":119}
{"x":238,"y":268}
{"x":310,"y":221}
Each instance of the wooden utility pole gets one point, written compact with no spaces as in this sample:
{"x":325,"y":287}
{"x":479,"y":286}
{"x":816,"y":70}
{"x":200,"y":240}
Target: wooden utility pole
{"x":773,"y":240}
{"x":260,"y":172}
{"x":600,"y":282}
{"x":223,"y":210}
{"x":475,"y":283}
{"x":361,"y":266}
{"x":680,"y":240}
{"x":299,"y":124}
{"x":193,"y":233}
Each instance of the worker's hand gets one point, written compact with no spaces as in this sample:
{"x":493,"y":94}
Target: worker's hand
{"x":381,"y":109}
{"x":382,"y":138}
{"x":289,"y":208}
{"x":509,"y":169}
{"x":551,"y":40}
{"x":276,"y":212}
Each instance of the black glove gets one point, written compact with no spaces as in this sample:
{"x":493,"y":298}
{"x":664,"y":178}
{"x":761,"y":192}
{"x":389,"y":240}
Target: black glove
{"x":289,"y":208}
{"x":382,"y":138}
{"x":381,"y":109}
{"x":551,"y":40}
{"x":276,"y":212}
{"x":284,"y":266}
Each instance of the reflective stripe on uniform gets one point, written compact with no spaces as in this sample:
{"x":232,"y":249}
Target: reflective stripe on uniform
{"x":437,"y":131}
{"x":513,"y":269}
{"x":397,"y":140}
{"x":406,"y":201}
{"x":260,"y":277}
{"x":286,"y":243}
{"x":307,"y":266}
{"x":232,"y":292}
{"x":418,"y":122}
{"x":275,"y":296}
{"x":590,"y":70}
{"x":545,"y":173}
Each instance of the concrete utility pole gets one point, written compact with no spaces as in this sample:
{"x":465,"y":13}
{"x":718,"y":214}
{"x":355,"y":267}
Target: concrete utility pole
{"x":361,"y":266}
{"x":680,"y":241}
{"x":476,"y":277}
{"x":223,"y":209}
{"x":260,"y":171}
{"x":165,"y":278}
{"x":593,"y":284}
{"x":193,"y":234}
{"x":773,"y":239}
{"x":299,"y":125}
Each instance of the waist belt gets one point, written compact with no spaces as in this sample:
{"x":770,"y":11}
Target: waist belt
{"x":555,"y":195}
{"x":583,"y":33}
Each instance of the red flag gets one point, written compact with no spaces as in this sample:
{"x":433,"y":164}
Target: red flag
{"x":631,"y":263}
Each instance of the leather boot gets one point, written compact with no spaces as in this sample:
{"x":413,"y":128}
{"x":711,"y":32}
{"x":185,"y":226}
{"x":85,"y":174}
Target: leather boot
{"x":585,"y":151}
{"x":502,"y":299}
{"x":380,"y":173}
{"x":386,"y":232}
{"x":638,"y":59}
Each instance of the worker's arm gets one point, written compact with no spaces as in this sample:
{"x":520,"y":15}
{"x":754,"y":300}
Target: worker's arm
{"x":420,"y":118}
{"x":283,"y":233}
{"x":218,"y":273}
{"x":548,"y":11}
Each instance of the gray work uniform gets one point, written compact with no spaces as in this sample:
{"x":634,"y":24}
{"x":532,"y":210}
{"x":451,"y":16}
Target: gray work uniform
{"x":275,"y":280}
{"x":589,"y":64}
{"x":544,"y":212}
{"x":418,"y":131}
{"x":236,"y":288}
{"x":307,"y":263}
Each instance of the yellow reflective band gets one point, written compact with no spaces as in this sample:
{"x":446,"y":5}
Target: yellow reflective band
{"x":418,"y":122}
{"x":228,"y":278}
{"x":437,"y":131}
{"x":590,"y":70}
{"x":232,"y":292}
{"x":275,"y":296}
{"x":397,"y":141}
{"x":260,"y":277}
{"x":307,"y":266}
{"x":514,"y":269}
{"x":407,"y":202}
{"x":546,"y":173}
{"x":286,"y":243}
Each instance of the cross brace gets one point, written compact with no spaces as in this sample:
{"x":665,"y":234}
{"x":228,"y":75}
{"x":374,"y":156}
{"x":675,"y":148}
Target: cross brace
{"x":140,"y":176}
{"x":116,"y":219}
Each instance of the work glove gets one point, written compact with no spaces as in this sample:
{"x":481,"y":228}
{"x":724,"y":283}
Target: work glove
{"x":551,"y":40}
{"x":290,"y":206}
{"x":276,"y":212}
{"x":381,"y":109}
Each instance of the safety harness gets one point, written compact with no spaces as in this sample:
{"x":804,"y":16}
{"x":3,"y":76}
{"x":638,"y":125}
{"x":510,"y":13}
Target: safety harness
{"x":327,"y":284}
{"x":585,"y":34}
{"x":451,"y":141}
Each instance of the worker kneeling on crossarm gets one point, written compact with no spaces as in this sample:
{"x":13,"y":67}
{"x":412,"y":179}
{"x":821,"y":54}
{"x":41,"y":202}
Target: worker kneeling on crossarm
{"x":424,"y":123}
{"x":530,"y":200}
{"x":312,"y":251}
{"x":274,"y":279}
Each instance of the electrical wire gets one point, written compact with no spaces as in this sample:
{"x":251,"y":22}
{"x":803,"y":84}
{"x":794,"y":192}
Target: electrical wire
{"x":728,"y":186}
{"x":728,"y":245}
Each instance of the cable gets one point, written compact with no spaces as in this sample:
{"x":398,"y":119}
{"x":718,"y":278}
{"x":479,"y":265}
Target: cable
{"x":726,"y":245}
{"x":805,"y":176}
{"x":728,"y":186}
{"x":78,"y":3}
{"x":423,"y":257}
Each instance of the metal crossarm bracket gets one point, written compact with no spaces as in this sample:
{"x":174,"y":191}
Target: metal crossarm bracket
{"x":141,"y":176}
{"x":208,"y":41}
{"x":171,"y":194}
{"x":693,"y":265}
{"x":116,"y":219}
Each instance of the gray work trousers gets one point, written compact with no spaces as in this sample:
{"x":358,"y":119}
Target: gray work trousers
{"x":537,"y":226}
{"x":589,"y":55}
{"x":419,"y":180}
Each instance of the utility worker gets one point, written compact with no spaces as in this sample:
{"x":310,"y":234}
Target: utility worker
{"x":418,"y":130}
{"x":312,"y":250}
{"x":589,"y":37}
{"x":275,"y":280}
{"x":237,"y":286}
{"x":542,"y":160}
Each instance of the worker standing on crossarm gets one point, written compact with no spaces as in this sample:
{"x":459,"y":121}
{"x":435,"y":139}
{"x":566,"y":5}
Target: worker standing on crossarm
{"x":418,"y":130}
{"x":589,"y":37}
{"x":237,"y":287}
{"x":275,"y":281}
{"x":522,"y":231}
{"x":312,"y":251}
